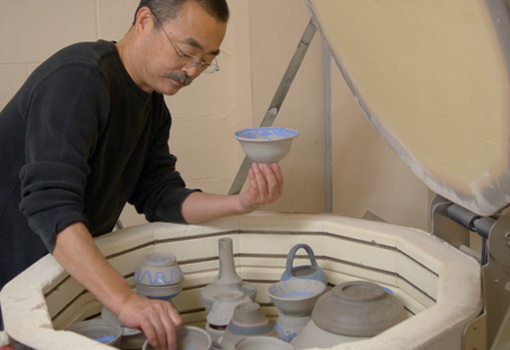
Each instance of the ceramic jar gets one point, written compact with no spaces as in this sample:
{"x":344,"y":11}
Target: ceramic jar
{"x":227,"y":279}
{"x":295,"y":299}
{"x":351,"y":311}
{"x":188,"y":337}
{"x":159,"y":277}
{"x":99,"y":330}
{"x":247,"y":321}
{"x":221,"y":314}
{"x":312,"y":271}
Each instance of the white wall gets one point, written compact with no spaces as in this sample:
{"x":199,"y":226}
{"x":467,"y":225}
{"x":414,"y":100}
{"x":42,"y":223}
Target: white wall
{"x":261,"y":39}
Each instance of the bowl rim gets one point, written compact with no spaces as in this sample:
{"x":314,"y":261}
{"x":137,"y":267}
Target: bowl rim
{"x":319,"y":293}
{"x":295,"y":133}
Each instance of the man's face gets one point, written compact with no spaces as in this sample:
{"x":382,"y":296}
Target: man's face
{"x":171,"y":52}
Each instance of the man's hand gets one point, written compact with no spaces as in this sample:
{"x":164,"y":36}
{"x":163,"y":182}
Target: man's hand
{"x":79,"y":256}
{"x":266,"y":186}
{"x":156,"y":318}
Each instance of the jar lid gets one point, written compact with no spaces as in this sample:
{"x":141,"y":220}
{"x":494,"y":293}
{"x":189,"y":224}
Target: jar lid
{"x":357,"y":309}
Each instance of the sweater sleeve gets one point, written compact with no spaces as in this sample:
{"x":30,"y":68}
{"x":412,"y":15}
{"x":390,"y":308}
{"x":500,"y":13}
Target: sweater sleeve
{"x":161,"y":190}
{"x":62,"y":118}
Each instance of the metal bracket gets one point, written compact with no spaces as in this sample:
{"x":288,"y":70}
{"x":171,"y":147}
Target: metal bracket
{"x":491,"y":330}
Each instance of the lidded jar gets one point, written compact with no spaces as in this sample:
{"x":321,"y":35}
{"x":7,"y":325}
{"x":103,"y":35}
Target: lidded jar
{"x":159,"y":277}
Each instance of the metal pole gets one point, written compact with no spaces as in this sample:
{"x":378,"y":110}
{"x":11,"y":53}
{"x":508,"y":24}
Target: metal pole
{"x":327,"y":128}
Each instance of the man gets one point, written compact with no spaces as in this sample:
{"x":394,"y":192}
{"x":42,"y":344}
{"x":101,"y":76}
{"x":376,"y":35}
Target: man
{"x":88,"y":131}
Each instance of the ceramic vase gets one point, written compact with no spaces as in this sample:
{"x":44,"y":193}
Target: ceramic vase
{"x":312,"y":271}
{"x":222,"y":312}
{"x":159,"y":277}
{"x":295,"y":299}
{"x":247,"y":321}
{"x":227,"y":279}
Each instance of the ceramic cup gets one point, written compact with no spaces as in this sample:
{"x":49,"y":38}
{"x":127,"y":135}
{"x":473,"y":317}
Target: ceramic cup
{"x":188,"y":337}
{"x":100,"y":330}
{"x":312,"y":271}
{"x":296,"y":297}
{"x":247,"y":321}
{"x":263,"y":343}
{"x":266,"y":145}
{"x":221,"y":314}
{"x":159,"y":277}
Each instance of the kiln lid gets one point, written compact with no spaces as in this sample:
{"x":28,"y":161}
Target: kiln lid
{"x":433,"y":78}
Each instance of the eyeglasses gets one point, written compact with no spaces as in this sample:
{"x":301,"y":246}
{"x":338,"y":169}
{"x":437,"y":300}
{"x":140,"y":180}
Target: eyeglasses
{"x":188,"y":60}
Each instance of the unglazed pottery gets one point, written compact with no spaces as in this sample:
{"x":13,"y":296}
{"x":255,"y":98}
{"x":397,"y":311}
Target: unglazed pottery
{"x":358,"y":309}
{"x":159,"y":277}
{"x":99,"y":330}
{"x":312,"y":271}
{"x":227,"y":279}
{"x":296,"y":297}
{"x":188,"y":337}
{"x":351,"y":311}
{"x":263,"y":343}
{"x":221,"y":314}
{"x":247,"y":321}
{"x":266,"y":145}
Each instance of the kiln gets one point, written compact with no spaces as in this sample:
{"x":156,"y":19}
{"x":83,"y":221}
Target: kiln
{"x":433,"y":78}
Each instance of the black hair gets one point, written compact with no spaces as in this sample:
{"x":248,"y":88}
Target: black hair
{"x":166,"y":10}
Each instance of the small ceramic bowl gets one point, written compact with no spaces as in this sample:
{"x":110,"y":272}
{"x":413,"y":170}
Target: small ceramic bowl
{"x":159,"y":269}
{"x":296,"y":297}
{"x":266,"y":145}
{"x":100,"y":330}
{"x":188,"y":337}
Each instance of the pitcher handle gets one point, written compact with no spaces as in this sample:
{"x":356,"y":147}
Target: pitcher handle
{"x":292,"y":254}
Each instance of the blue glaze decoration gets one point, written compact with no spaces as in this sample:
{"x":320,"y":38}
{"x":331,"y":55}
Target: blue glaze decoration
{"x":286,"y":336}
{"x":159,"y":277}
{"x":266,"y":133}
{"x":105,"y":339}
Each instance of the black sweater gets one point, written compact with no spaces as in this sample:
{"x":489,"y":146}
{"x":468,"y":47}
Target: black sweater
{"x":77,"y":141}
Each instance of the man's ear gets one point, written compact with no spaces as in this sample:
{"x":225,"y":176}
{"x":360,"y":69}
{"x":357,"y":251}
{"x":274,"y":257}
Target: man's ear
{"x":144,"y":23}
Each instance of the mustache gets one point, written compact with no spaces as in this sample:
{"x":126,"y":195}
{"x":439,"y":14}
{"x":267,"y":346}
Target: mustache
{"x":181,"y":77}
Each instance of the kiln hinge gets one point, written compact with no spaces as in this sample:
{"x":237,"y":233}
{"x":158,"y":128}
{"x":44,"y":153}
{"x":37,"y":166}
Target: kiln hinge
{"x":454,"y":224}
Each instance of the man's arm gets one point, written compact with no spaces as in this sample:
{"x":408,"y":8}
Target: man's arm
{"x":76,"y":251}
{"x":266,"y":186}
